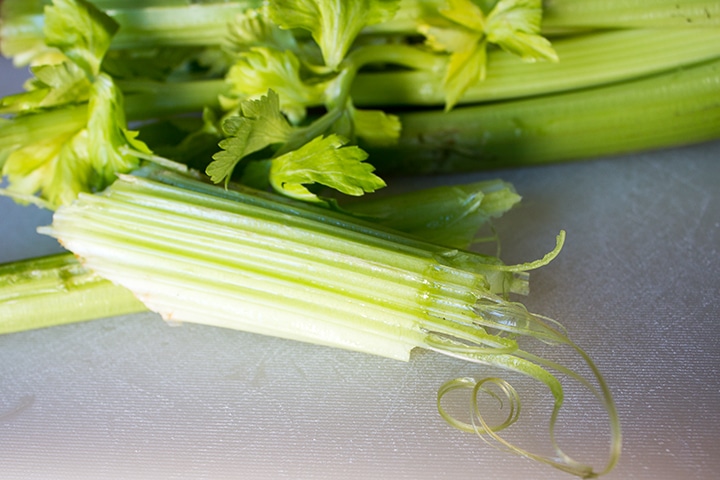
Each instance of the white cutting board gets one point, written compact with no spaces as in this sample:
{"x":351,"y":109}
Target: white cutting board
{"x":637,"y":286}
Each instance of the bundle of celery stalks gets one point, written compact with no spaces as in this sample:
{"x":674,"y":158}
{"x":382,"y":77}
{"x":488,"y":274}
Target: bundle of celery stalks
{"x":199,"y":158}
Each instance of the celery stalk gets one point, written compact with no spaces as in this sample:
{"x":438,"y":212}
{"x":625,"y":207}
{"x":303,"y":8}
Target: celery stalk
{"x":630,"y":13}
{"x":56,"y":290}
{"x":569,"y":15}
{"x":144,"y":24}
{"x":675,"y":108}
{"x":181,"y":25}
{"x":585,"y":61}
{"x":362,"y":289}
{"x":175,"y":23}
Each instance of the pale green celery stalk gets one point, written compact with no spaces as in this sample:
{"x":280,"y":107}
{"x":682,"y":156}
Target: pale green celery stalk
{"x":153,"y":100}
{"x":672,"y":109}
{"x":198,"y":253}
{"x":181,"y":25}
{"x":588,"y":60}
{"x":631,"y":13}
{"x":573,"y":15}
{"x":143,"y":25}
{"x":31,"y":289}
{"x":269,"y":271}
{"x":56,"y":290}
{"x":585,"y":61}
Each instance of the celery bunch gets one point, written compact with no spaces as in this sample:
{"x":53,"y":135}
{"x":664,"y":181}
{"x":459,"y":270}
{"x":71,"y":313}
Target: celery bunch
{"x":316,"y":100}
{"x":304,"y":95}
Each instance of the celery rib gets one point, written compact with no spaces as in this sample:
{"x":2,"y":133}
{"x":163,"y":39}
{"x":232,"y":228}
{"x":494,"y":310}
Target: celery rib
{"x":182,"y":25}
{"x":35,"y":277}
{"x":243,"y":258}
{"x":674,"y":108}
{"x":337,"y":290}
{"x":631,"y":13}
{"x":57,"y":290}
{"x":585,"y":61}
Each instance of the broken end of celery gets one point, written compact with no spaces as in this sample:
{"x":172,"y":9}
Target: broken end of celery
{"x":57,"y":290}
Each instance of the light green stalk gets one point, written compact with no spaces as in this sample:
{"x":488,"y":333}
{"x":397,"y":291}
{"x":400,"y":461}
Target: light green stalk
{"x":56,"y":290}
{"x":585,"y":61}
{"x":175,"y":23}
{"x":144,"y":25}
{"x":561,"y":16}
{"x":675,"y":108}
{"x":257,"y":253}
{"x":631,"y":13}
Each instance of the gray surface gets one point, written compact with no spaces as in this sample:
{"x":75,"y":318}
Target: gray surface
{"x":637,"y":285}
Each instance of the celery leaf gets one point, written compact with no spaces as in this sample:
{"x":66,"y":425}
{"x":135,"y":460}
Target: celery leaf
{"x":376,"y":127}
{"x":81,"y":31}
{"x":108,"y":137}
{"x":514,"y":25}
{"x":51,"y":168}
{"x":258,"y":125}
{"x":263,"y":68}
{"x":325,"y":161}
{"x":253,"y":28}
{"x":76,"y":159}
{"x":334,"y":24}
{"x":464,"y":31}
{"x":63,"y":83}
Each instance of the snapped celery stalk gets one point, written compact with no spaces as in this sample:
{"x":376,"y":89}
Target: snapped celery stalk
{"x":40,"y":292}
{"x":196,"y":252}
{"x":58,"y":289}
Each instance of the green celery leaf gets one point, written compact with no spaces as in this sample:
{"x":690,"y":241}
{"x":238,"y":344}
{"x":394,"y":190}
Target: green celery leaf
{"x":334,"y":24}
{"x":23,"y":101}
{"x":514,"y":25}
{"x":56,"y":168}
{"x":376,"y":127}
{"x":460,"y":24}
{"x":261,"y":69}
{"x":465,"y":68}
{"x":463,"y":30}
{"x":259,"y":124}
{"x":80,"y":157}
{"x":448,"y":215}
{"x":81,"y":31}
{"x":107,"y":134}
{"x":52,"y":85}
{"x":253,"y":28}
{"x":65,"y":83}
{"x":325,"y":161}
{"x":465,"y":13}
